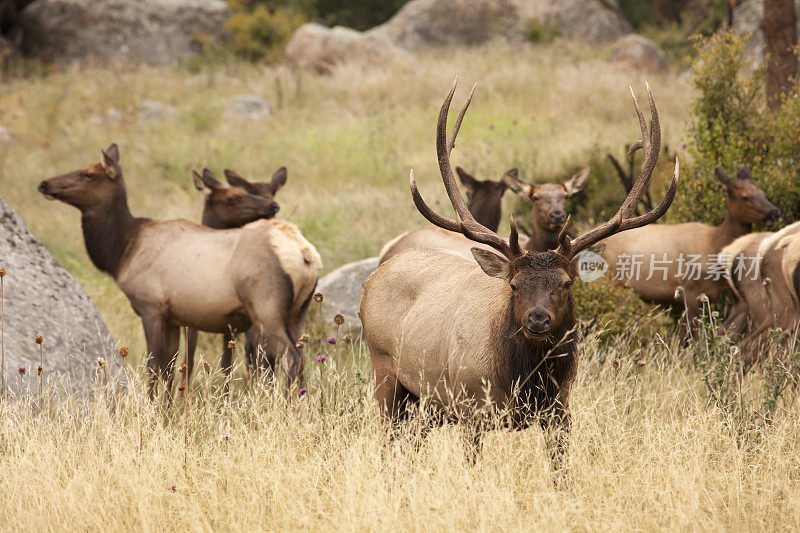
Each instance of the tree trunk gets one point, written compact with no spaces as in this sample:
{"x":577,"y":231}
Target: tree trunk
{"x":780,"y":39}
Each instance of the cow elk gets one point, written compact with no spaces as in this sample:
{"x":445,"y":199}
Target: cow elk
{"x":495,"y":334}
{"x":228,"y":207}
{"x":656,"y":260}
{"x":484,"y":201}
{"x":179,"y":274}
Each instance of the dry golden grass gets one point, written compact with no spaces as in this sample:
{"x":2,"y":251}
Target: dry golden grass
{"x":649,"y":451}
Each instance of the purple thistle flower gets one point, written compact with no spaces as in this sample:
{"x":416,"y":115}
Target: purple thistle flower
{"x":302,"y":392}
{"x":22,"y":370}
{"x":321,"y":357}
{"x":331,"y":340}
{"x":683,"y":146}
{"x":173,"y":487}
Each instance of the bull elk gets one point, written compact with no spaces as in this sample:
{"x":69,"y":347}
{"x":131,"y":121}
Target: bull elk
{"x":228,"y":207}
{"x":176,"y":273}
{"x":657,"y":259}
{"x":496,"y":332}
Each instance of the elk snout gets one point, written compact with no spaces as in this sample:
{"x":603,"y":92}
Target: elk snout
{"x":773,"y":215}
{"x":273,"y":209}
{"x":44,"y":188}
{"x":558,"y":216}
{"x":539,"y":321}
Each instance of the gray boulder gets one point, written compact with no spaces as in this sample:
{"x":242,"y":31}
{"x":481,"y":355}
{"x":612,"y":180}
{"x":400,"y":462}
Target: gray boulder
{"x":248,"y":106}
{"x":41,"y":298}
{"x":342,"y":290}
{"x":322,"y":49}
{"x":153,"y":111}
{"x":113,"y":31}
{"x":638,"y":53}
{"x":424,"y":23}
{"x":747,"y":17}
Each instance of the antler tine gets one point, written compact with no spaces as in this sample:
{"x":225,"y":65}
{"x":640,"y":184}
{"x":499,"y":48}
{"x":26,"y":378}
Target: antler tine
{"x":470,"y":227}
{"x":451,"y":141}
{"x":434,"y":218}
{"x":660,"y":209}
{"x":651,"y":143}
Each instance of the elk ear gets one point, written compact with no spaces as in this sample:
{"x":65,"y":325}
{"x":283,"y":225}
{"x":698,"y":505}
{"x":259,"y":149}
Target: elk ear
{"x":744,"y":174}
{"x":279,"y":179}
{"x":236,"y":180}
{"x":512,"y":173}
{"x":577,"y":182}
{"x":199,"y":184}
{"x":111,"y":162}
{"x":466,"y":180}
{"x":723,"y":178}
{"x":512,"y":181}
{"x":491,"y":263}
{"x":211,"y":180}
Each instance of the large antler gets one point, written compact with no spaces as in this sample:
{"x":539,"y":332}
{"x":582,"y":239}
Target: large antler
{"x":466,"y":223}
{"x":651,"y":144}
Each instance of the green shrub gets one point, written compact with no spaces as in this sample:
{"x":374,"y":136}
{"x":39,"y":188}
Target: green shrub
{"x":260,"y":33}
{"x":731,"y":128}
{"x":542,"y":32}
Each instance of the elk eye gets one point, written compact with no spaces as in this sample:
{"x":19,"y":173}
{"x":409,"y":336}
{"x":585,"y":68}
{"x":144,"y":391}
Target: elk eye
{"x":233,"y":200}
{"x":87,"y":176}
{"x":746,"y":198}
{"x":535,"y":197}
{"x":567,"y":284}
{"x":514,"y":287}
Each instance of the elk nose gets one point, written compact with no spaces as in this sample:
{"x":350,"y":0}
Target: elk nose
{"x":275,"y":207}
{"x":538,"y":320}
{"x":558,"y":217}
{"x":42,"y":188}
{"x":773,"y":215}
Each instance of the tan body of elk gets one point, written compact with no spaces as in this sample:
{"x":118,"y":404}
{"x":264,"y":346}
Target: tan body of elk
{"x":548,"y":215}
{"x":658,"y":248}
{"x":176,"y":273}
{"x":228,"y":207}
{"x":764,"y":301}
{"x":497,"y":331}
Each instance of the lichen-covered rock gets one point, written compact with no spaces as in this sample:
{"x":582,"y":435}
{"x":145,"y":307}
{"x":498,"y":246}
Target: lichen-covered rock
{"x":424,"y":23}
{"x":342,"y":290}
{"x":248,"y":106}
{"x":638,"y":53}
{"x":322,"y":49}
{"x":41,"y":298}
{"x":114,"y":31}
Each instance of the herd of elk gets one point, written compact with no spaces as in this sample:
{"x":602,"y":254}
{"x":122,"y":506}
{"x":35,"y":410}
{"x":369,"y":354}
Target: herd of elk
{"x":176,"y":273}
{"x":228,"y":207}
{"x":476,"y":325}
{"x":484,"y":201}
{"x":494,"y":333}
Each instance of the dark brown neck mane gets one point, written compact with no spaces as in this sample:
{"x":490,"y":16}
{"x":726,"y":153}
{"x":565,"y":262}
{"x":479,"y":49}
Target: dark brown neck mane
{"x":730,"y":230}
{"x":108,"y":232}
{"x":541,"y":240}
{"x":212,"y":221}
{"x":533,"y":371}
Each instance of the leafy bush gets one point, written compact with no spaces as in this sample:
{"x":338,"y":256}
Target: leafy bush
{"x":542,"y":32}
{"x":258,"y":32}
{"x":731,"y":128}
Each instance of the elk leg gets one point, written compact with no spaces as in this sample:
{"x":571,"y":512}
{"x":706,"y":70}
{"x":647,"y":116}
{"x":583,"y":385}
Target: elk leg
{"x":155,"y":336}
{"x":393,"y":398}
{"x":191,"y":347}
{"x":226,"y":360}
{"x":275,"y":339}
{"x":556,"y":424}
{"x":255,"y":351}
{"x":172,"y":343}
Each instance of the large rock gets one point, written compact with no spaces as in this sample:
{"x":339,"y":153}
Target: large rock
{"x":112,"y":31}
{"x":423,"y":23}
{"x":342,"y":290}
{"x":638,"y":53}
{"x":747,"y":17}
{"x":41,"y":298}
{"x":316,"y":47}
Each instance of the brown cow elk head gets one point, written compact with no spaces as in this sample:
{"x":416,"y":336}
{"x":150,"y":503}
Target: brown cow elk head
{"x":485,"y":197}
{"x":96,"y":187}
{"x":747,"y":203}
{"x":549,"y":199}
{"x":267,"y":189}
{"x":540,"y":282}
{"x":231,"y":206}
